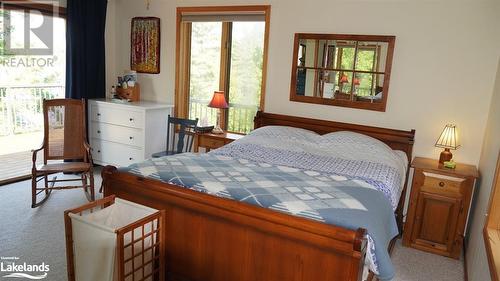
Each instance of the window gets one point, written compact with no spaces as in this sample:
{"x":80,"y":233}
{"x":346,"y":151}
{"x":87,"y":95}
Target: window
{"x":492,"y":227}
{"x":32,"y":68}
{"x":221,"y":48}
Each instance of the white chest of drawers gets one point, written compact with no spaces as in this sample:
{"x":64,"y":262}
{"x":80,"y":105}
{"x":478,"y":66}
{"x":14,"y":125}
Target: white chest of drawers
{"x":125,"y":133}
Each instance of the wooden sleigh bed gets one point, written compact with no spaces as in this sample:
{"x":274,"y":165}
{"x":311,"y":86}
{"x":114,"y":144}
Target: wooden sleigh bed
{"x":211,"y":238}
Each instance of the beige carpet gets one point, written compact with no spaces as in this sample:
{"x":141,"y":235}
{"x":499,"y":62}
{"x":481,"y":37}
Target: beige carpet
{"x":37,"y":235}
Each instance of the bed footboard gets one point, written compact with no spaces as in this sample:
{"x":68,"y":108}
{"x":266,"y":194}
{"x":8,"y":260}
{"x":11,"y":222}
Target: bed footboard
{"x":209,"y":238}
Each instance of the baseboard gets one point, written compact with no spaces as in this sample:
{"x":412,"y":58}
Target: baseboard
{"x":466,"y":273}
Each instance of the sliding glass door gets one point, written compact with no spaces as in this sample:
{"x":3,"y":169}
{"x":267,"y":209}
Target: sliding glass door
{"x":226,"y":56}
{"x":26,"y":79}
{"x":205,"y":69}
{"x":245,"y":79}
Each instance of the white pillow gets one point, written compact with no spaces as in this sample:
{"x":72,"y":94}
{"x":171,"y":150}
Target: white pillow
{"x":286,"y":133}
{"x":354,"y":139}
{"x":355,"y":146}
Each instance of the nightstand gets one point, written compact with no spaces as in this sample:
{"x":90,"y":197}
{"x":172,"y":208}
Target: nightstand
{"x":213,"y":141}
{"x":439,"y":207}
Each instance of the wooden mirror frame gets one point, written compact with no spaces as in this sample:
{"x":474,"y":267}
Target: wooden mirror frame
{"x":379,"y":106}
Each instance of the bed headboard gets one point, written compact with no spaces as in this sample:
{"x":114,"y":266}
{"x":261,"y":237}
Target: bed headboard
{"x":396,"y":139}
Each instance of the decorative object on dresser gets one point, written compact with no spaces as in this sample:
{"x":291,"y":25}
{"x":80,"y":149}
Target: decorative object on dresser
{"x":342,"y":70}
{"x":129,"y":93}
{"x":218,"y":101}
{"x":439,"y":207}
{"x":213,"y":141}
{"x":448,"y":140}
{"x":145,"y":45}
{"x":64,"y":138}
{"x":180,"y":136}
{"x":125,"y":133}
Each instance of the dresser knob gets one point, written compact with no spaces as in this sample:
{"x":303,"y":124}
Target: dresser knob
{"x":131,"y":138}
{"x":98,"y":131}
{"x":98,"y":114}
{"x":441,"y":184}
{"x":98,"y":151}
{"x":130,"y":158}
{"x":131,"y":119}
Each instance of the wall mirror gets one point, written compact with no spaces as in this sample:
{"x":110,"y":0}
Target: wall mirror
{"x":342,"y":70}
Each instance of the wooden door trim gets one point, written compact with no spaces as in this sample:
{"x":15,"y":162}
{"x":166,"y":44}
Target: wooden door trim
{"x":265,"y":9}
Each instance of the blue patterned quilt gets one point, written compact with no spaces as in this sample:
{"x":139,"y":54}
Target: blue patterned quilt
{"x":343,"y":200}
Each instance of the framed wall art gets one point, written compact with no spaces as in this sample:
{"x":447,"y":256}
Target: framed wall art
{"x":145,"y":45}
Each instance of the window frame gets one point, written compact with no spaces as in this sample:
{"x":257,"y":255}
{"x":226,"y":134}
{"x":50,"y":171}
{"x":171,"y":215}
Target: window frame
{"x":182,"y":63}
{"x":45,"y":9}
{"x":491,"y":230}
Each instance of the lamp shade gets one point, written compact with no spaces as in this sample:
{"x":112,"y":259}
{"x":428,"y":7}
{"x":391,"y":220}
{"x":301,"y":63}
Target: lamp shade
{"x":448,"y":138}
{"x":356,"y":81}
{"x":218,"y":100}
{"x":343,"y":79}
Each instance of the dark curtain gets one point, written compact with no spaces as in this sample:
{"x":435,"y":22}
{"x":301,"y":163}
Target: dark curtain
{"x":85,"y":49}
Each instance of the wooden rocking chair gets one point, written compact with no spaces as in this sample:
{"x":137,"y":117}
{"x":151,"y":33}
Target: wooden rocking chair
{"x":64,"y":139}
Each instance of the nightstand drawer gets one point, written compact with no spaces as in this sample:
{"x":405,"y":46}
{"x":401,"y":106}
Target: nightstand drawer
{"x":211,"y":143}
{"x":442,"y":184}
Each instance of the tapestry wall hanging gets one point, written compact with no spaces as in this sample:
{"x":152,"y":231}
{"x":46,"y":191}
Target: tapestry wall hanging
{"x":145,"y":45}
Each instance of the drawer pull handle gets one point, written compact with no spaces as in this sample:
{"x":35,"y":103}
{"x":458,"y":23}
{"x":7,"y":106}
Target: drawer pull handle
{"x":131,"y":138}
{"x":131,"y":119}
{"x":441,"y":184}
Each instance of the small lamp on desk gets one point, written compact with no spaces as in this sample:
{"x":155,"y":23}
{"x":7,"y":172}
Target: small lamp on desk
{"x":448,"y":140}
{"x":218,"y":101}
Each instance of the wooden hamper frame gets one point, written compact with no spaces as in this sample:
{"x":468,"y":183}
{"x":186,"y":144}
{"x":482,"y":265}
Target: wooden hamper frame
{"x":212,"y":238}
{"x":157,"y":248}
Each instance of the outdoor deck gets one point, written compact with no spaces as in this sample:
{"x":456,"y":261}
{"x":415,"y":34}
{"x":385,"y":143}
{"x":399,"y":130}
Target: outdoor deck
{"x":15,"y":155}
{"x":21,"y":125}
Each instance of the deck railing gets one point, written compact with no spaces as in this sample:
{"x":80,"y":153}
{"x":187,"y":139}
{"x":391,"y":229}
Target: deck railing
{"x":240,"y":118}
{"x":21,"y":107}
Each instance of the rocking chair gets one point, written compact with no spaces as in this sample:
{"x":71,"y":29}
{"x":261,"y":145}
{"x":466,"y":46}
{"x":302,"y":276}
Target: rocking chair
{"x":64,"y":139}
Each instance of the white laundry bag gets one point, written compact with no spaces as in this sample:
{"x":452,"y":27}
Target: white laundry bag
{"x":102,"y":247}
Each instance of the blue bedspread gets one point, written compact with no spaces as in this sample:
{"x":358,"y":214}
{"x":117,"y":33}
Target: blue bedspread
{"x":341,"y":200}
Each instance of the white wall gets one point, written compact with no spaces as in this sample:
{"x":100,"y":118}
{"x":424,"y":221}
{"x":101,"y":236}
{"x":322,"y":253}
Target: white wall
{"x":443,"y":71}
{"x":476,"y":255}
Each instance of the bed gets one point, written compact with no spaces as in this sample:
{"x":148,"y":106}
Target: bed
{"x":265,"y":235}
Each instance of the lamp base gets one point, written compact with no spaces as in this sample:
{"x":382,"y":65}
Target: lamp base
{"x":445,"y":156}
{"x":217,"y":130}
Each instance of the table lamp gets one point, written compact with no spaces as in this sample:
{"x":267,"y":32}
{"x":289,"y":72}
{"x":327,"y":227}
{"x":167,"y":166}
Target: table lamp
{"x":343,"y":80}
{"x":218,"y":101}
{"x":448,"y":140}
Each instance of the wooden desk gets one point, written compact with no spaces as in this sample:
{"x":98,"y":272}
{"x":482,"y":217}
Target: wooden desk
{"x":213,"y":141}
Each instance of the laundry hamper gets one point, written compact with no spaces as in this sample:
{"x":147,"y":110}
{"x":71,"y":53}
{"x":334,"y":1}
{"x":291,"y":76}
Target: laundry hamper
{"x":115,"y":240}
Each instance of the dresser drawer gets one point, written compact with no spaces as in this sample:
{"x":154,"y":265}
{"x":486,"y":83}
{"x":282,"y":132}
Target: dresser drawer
{"x":120,"y":134}
{"x":211,"y":143}
{"x":117,"y":116}
{"x":115,"y":153}
{"x":442,"y":184}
